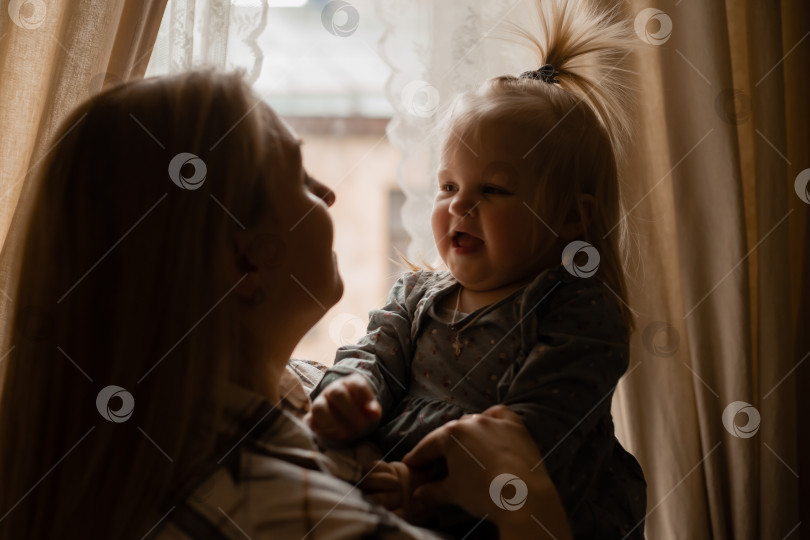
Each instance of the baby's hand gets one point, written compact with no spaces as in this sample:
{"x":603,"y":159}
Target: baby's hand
{"x":346,"y":410}
{"x":388,"y":484}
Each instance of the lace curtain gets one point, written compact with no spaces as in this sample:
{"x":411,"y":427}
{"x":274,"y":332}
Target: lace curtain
{"x":219,"y":33}
{"x":436,"y":50}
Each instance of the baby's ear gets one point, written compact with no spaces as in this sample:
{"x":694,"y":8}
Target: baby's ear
{"x":579,"y":218}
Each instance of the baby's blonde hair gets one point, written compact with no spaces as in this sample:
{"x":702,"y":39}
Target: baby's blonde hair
{"x":570,"y":134}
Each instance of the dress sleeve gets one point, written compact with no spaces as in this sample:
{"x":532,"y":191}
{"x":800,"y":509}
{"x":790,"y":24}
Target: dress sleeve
{"x":384,"y":354}
{"x":563,"y":387}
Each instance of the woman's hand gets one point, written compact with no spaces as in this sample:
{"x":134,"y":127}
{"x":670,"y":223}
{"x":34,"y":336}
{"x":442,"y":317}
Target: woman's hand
{"x":494,"y":470}
{"x":345,"y":410}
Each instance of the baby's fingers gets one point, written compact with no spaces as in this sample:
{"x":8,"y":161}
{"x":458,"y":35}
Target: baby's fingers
{"x":344,"y":410}
{"x":362,"y":395}
{"x":321,"y":421}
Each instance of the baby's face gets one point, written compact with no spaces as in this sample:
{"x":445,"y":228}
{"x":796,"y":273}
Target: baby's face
{"x":485,"y":224}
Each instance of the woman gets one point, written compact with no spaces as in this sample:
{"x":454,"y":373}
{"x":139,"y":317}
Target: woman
{"x":175,"y":252}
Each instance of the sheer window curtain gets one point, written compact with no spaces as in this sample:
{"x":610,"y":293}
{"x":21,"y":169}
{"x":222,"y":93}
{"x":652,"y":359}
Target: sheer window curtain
{"x":719,"y":210}
{"x":216,"y":33}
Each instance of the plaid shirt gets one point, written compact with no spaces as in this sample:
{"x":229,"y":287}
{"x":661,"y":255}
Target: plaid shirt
{"x":276,"y":483}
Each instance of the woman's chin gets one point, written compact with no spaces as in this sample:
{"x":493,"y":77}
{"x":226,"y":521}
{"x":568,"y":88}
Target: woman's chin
{"x":338,"y":290}
{"x":338,"y":280}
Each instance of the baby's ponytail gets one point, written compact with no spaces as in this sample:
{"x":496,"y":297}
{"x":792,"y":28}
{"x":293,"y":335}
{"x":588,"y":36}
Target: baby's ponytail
{"x":584,"y":48}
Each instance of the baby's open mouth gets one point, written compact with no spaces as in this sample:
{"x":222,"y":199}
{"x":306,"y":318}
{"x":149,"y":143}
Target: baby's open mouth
{"x":466,"y":240}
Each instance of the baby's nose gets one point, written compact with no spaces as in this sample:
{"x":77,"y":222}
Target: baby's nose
{"x":462,"y":206}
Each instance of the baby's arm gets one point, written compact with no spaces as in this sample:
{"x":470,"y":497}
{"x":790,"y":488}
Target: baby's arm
{"x":562,"y":391}
{"x":382,"y":357}
{"x":346,"y":410}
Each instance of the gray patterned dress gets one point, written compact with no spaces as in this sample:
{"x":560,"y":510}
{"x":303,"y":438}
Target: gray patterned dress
{"x":552,"y":351}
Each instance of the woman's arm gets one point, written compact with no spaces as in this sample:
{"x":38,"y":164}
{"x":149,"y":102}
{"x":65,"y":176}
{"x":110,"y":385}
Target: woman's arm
{"x":495,"y":471}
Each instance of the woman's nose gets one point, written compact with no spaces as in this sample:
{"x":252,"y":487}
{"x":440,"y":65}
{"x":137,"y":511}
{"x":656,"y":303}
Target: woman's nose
{"x":463,"y":205}
{"x":322,"y":192}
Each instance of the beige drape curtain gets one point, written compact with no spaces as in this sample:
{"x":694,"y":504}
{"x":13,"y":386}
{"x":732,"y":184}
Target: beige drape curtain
{"x":721,"y":285}
{"x":53,"y":55}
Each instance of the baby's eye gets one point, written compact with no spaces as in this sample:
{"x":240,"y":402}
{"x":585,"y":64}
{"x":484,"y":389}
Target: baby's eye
{"x":447,"y":187}
{"x":495,"y":190}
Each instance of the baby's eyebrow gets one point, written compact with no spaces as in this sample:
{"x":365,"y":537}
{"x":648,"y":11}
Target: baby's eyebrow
{"x":506,"y":171}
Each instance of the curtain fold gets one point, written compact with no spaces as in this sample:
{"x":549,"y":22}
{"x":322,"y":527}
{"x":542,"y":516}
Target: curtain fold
{"x":54,"y":62}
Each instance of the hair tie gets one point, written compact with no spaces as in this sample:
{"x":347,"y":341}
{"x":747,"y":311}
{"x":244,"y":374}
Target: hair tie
{"x":545,"y":73}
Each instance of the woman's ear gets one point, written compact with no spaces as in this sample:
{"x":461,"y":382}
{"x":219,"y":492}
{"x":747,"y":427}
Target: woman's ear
{"x":579,"y":218}
{"x":255,"y":255}
{"x":243,"y":268}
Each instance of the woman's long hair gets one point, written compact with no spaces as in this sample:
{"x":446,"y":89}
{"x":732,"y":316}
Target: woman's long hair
{"x":569,"y":133}
{"x":121,"y":280}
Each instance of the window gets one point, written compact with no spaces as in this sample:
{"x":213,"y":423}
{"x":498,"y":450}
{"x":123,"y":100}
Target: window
{"x":317,"y":64}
